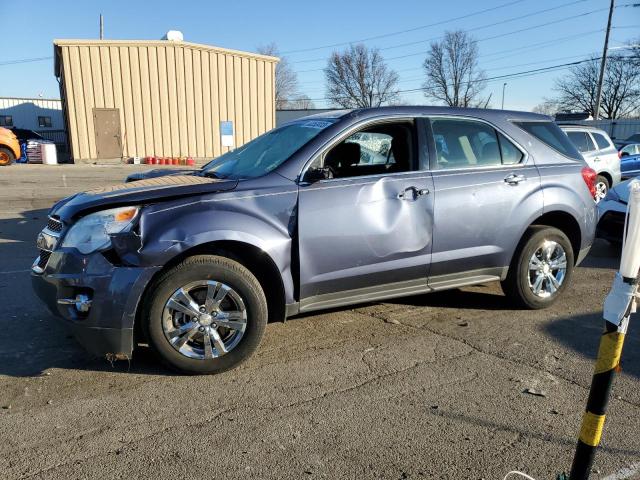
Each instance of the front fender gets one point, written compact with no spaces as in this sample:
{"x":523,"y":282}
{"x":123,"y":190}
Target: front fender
{"x":264,"y":221}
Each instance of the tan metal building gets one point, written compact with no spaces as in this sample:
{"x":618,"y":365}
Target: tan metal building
{"x":166,"y":98}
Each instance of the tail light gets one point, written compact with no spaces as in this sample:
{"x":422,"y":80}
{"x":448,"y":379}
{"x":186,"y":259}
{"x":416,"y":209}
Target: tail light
{"x":589,"y":175}
{"x":619,"y":153}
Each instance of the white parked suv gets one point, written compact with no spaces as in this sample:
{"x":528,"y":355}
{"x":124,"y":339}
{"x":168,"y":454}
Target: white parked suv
{"x":599,"y":152}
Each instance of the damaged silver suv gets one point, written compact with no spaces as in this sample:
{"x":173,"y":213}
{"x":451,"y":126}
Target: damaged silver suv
{"x":322,"y":212}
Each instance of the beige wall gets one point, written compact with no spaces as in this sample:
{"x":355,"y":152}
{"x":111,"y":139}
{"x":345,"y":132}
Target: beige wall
{"x":171,"y":96}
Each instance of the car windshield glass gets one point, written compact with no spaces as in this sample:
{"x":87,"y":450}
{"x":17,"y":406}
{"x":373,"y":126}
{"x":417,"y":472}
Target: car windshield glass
{"x":265,"y":153}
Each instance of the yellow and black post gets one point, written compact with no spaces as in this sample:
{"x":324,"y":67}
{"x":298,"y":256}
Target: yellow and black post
{"x":607,"y":364}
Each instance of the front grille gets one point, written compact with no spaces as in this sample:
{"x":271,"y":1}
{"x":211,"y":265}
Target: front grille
{"x":43,"y":259}
{"x":54,"y":225}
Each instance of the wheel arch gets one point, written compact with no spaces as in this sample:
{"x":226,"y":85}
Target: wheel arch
{"x":256,"y":260}
{"x":566,"y":223}
{"x":607,"y":176}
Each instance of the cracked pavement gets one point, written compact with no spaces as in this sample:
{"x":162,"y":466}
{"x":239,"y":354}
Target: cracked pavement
{"x":430,"y":386}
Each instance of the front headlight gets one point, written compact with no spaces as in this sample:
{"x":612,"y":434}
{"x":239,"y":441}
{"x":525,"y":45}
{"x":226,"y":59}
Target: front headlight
{"x":91,"y":233}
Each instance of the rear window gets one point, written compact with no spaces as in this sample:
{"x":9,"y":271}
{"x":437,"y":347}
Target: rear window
{"x":550,"y":134}
{"x":582,"y":141}
{"x":601,"y":140}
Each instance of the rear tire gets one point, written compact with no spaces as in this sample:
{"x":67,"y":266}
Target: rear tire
{"x":602,"y":188}
{"x":6,"y":157}
{"x":178,"y":337}
{"x":529,"y":283}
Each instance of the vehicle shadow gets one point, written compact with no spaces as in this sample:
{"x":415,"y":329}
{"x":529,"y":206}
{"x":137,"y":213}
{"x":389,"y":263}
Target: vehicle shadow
{"x":603,"y":255}
{"x":34,"y":340}
{"x":581,"y":334}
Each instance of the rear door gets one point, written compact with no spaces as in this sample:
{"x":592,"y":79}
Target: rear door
{"x":366,"y":233}
{"x":484,"y":187}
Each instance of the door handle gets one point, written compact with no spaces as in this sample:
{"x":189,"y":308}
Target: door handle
{"x":514,"y":179}
{"x":412,"y":193}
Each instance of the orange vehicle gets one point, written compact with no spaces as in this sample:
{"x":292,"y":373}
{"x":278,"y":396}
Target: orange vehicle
{"x":9,"y":147}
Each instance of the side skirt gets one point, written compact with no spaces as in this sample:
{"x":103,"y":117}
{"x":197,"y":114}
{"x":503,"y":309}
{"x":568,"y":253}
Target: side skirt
{"x":396,"y":290}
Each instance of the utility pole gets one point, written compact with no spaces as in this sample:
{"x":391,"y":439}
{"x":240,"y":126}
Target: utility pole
{"x":603,"y":63}
{"x":504,"y":85}
{"x":101,"y":27}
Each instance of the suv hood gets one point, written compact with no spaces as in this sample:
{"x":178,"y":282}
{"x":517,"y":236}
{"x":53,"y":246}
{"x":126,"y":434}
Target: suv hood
{"x":142,"y":191}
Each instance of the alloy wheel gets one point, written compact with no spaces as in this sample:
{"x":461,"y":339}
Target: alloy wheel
{"x":204,"y":319}
{"x":547,"y":269}
{"x":601,"y":191}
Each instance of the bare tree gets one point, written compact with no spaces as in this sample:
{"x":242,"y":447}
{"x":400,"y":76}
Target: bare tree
{"x":359,"y":78}
{"x":302,"y":102}
{"x":548,"y":107}
{"x":452,"y":71}
{"x":620,"y":89}
{"x":286,"y":87}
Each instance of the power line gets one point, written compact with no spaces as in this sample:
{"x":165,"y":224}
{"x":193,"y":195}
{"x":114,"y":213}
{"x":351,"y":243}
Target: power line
{"x":517,"y":50}
{"x":413,"y":79}
{"x":513,"y":32}
{"x":522,"y":74}
{"x":502,"y":22}
{"x":400,"y":32}
{"x":24,"y":60}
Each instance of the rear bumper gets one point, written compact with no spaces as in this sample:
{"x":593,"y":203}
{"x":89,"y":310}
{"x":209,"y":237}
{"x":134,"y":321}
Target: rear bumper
{"x":107,"y":329}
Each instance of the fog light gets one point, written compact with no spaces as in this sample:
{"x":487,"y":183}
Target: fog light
{"x":82,"y":302}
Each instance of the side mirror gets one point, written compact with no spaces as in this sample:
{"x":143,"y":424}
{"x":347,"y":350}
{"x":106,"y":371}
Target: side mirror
{"x":624,"y":154}
{"x":318,"y":174}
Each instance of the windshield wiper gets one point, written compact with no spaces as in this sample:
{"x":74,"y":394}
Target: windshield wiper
{"x":207,"y":173}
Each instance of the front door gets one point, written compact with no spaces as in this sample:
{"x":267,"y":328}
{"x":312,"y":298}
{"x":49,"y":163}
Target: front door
{"x":107,"y":127}
{"x":485,"y":189}
{"x":366,"y":232}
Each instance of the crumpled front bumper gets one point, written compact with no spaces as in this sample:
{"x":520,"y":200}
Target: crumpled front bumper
{"x":107,"y":328}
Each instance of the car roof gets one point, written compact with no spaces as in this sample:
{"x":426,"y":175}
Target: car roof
{"x":582,"y":127}
{"x":484,"y":113}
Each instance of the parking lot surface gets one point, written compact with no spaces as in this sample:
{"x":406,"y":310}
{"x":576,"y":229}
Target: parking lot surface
{"x":430,"y":386}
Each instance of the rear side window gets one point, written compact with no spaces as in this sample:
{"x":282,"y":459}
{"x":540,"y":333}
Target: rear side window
{"x":510,"y":153}
{"x":550,"y":134}
{"x":601,"y":140}
{"x":468,"y":143}
{"x":582,"y":141}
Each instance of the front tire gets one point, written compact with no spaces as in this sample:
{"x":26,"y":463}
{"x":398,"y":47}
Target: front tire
{"x":205,"y":315}
{"x":6,"y":157}
{"x":541,"y":268}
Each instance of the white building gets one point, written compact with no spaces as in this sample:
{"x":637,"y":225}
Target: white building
{"x":37,"y":114}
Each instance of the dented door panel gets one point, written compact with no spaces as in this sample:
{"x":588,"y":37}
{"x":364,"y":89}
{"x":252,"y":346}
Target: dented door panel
{"x":364,"y":231}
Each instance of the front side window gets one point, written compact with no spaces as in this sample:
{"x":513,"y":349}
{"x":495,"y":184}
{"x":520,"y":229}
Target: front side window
{"x":550,"y":134}
{"x":601,"y":140}
{"x":582,"y":141}
{"x":381,"y":149}
{"x":44,"y":122}
{"x":267,"y":152}
{"x":6,"y":121}
{"x":633,"y":149}
{"x":468,"y":143}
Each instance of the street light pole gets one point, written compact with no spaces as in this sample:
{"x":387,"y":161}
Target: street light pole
{"x":504,"y":85}
{"x":101,"y":27}
{"x":603,"y":63}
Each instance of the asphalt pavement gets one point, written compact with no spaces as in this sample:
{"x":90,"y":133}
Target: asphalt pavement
{"x":430,"y":386}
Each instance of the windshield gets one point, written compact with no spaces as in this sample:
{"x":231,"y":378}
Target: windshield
{"x":265,"y":153}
